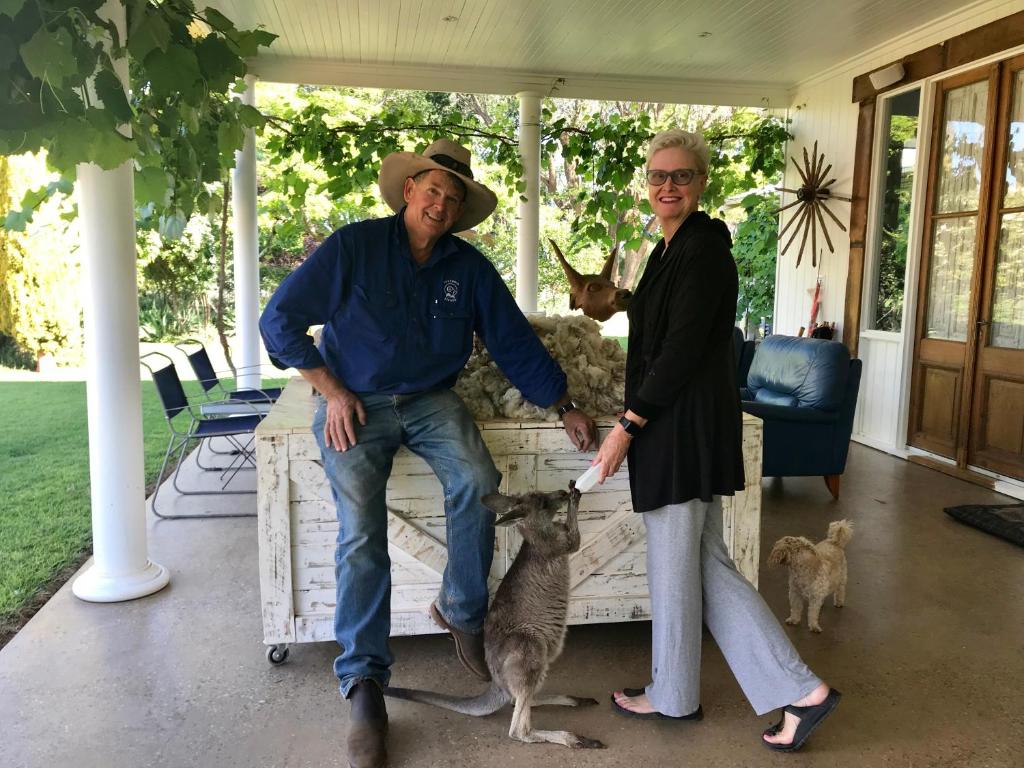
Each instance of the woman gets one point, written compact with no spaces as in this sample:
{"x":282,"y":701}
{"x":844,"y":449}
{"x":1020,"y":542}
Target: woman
{"x":682,"y":433}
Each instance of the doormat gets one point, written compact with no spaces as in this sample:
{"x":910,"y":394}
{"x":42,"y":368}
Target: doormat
{"x":1003,"y":520}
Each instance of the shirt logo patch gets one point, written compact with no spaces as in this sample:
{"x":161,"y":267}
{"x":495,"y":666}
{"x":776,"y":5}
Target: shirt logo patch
{"x":451,"y":290}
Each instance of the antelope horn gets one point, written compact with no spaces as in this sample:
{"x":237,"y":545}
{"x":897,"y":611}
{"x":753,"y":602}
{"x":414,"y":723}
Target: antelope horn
{"x":575,"y":278}
{"x":609,"y":264}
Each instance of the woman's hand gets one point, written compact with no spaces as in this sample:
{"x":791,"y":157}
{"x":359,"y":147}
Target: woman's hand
{"x":612,"y":452}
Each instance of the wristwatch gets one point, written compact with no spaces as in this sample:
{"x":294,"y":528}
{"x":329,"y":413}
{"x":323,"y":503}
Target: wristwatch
{"x":631,"y":427}
{"x":564,"y":409}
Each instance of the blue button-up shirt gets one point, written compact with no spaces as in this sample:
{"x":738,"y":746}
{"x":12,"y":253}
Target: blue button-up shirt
{"x":394,"y":327}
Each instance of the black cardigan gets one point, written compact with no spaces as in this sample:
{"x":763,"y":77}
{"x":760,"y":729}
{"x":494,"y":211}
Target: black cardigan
{"x":681,"y":371}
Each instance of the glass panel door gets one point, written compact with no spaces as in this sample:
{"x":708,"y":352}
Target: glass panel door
{"x":1008,"y":285}
{"x":955,"y":220}
{"x":889,"y":261}
{"x":997,"y":415}
{"x":956,"y":225}
{"x":1008,"y":282}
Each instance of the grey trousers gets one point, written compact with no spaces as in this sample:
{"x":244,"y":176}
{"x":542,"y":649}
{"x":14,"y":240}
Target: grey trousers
{"x":691,"y":577}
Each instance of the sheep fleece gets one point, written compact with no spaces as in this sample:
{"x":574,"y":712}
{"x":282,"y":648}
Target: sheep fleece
{"x":595,"y":366}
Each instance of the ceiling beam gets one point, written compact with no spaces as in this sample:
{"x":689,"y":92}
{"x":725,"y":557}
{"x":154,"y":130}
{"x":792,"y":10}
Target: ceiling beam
{"x":499,"y":81}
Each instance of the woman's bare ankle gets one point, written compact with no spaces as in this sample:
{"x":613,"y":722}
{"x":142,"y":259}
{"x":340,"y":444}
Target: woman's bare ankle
{"x":813,"y":698}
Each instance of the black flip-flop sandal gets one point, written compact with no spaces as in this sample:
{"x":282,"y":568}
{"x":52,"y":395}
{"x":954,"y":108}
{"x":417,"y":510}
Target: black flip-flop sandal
{"x":810,"y":719}
{"x":631,"y":692}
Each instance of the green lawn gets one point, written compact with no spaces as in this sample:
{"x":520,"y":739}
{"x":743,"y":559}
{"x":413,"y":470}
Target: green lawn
{"x":44,"y":480}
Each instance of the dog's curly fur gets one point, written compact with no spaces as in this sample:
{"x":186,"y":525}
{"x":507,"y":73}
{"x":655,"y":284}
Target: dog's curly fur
{"x":815,"y":571}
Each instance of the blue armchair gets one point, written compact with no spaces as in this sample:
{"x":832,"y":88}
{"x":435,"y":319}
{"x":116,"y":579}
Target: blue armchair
{"x":805,"y":391}
{"x":744,"y":352}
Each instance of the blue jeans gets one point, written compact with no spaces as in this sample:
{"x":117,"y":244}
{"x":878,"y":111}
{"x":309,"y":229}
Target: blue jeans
{"x":437,"y":427}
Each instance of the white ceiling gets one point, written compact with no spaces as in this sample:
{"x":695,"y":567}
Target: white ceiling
{"x":752,"y":52}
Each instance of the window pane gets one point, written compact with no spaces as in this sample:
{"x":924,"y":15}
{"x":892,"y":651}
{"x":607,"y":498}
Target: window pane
{"x":949,"y":279}
{"x":1014,"y":193}
{"x":901,"y":124}
{"x":962,"y":147}
{"x":1008,"y":291}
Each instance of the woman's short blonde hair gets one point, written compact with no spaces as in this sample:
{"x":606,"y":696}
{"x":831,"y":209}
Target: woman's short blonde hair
{"x":691,"y":142}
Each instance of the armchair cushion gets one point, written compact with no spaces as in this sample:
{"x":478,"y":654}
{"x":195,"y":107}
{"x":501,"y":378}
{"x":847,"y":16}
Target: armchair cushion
{"x":808,"y":373}
{"x":783,"y":413}
{"x":771,"y":397}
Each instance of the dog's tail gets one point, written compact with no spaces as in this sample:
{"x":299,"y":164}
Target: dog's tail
{"x":487,"y":703}
{"x":788,"y":547}
{"x":840,"y":532}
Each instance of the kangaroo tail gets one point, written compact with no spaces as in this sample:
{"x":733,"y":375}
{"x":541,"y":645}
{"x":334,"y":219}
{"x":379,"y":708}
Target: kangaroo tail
{"x":840,"y":532}
{"x":787,"y":547}
{"x":487,"y":703}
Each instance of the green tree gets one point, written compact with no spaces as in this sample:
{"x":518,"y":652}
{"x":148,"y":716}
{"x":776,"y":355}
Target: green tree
{"x":40,"y":310}
{"x":892,"y":262}
{"x":755,"y":246}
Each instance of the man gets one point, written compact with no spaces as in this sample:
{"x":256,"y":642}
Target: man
{"x":400,"y":299}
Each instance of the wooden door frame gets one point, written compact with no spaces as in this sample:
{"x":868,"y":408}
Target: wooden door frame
{"x":965,"y":396}
{"x":974,"y":45}
{"x":1009,"y":69}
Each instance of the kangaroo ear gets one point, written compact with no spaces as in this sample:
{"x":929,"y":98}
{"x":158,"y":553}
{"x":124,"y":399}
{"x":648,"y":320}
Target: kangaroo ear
{"x":498,"y":503}
{"x":508,"y":508}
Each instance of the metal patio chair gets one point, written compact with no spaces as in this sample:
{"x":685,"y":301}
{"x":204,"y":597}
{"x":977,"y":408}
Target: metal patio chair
{"x":219,"y":400}
{"x":210,"y":381}
{"x":237,"y":430}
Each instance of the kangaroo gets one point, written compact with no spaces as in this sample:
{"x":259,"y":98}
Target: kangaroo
{"x":526,"y":625}
{"x":596,"y":295}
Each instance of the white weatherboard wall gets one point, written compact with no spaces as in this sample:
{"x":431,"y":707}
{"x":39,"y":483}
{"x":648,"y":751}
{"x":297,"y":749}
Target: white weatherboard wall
{"x":822,"y":111}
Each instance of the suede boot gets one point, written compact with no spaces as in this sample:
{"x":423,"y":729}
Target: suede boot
{"x":368,"y":725}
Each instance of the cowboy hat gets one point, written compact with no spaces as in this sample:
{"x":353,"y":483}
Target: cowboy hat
{"x":442,"y":155}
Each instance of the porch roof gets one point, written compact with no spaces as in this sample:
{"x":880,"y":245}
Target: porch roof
{"x":731,"y":52}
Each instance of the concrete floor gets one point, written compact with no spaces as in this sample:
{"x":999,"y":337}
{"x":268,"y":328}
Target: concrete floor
{"x":928,"y":652}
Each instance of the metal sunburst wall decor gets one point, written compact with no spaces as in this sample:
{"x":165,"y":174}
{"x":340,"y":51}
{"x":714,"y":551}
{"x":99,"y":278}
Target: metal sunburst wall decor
{"x":812,"y":198}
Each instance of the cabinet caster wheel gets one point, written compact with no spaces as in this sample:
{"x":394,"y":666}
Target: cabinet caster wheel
{"x":277,"y":654}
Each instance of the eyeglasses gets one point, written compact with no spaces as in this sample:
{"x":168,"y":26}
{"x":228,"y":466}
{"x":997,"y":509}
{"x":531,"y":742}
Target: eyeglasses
{"x":681,"y":176}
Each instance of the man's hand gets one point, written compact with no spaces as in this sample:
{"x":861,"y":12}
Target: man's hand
{"x":343,"y":408}
{"x":580,"y":428}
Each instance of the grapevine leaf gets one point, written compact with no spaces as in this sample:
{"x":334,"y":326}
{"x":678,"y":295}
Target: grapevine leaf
{"x":172,"y":224}
{"x":11,"y":7}
{"x":111,"y":93}
{"x":172,"y":71}
{"x":152,"y":33}
{"x":48,"y":56}
{"x":153,"y":185}
{"x":219,"y":65}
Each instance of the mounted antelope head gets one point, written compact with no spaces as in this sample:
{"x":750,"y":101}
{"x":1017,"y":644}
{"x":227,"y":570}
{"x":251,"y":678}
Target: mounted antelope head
{"x":596,"y":295}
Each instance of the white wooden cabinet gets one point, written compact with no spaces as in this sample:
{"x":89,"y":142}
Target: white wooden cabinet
{"x":297,"y":525}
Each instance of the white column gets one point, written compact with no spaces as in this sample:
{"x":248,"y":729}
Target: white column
{"x":528,"y":244}
{"x":120,"y":569}
{"x":247,"y":257}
